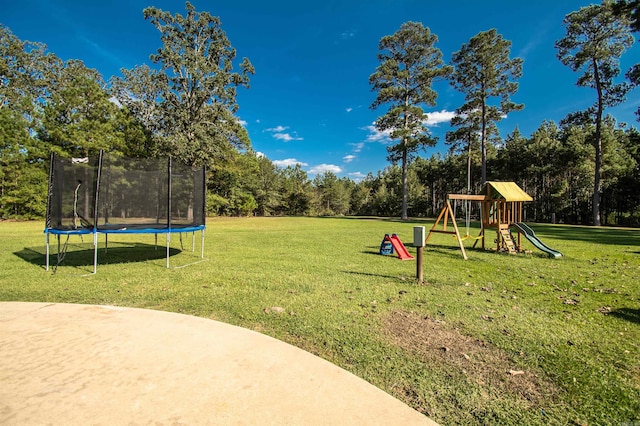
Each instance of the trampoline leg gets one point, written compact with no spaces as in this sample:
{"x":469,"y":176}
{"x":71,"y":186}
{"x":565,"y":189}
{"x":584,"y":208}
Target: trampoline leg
{"x":156,"y":235}
{"x":95,"y":252}
{"x":106,"y":242}
{"x":168,"y":241}
{"x":46,"y":238}
{"x":58,"y":249}
{"x":193,"y":241}
{"x":202,"y":246}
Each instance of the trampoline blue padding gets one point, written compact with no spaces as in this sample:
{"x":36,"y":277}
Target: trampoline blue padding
{"x":125,"y":230}
{"x":55,"y":231}
{"x":135,"y":230}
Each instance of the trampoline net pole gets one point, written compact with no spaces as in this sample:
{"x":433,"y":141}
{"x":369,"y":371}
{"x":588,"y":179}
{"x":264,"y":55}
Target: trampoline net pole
{"x":168,"y":207}
{"x":168,"y":241}
{"x":202,"y":246}
{"x":52,"y":161}
{"x":95,"y":251}
{"x":46,"y":239}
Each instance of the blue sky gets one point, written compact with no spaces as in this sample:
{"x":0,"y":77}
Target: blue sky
{"x":309,"y":99}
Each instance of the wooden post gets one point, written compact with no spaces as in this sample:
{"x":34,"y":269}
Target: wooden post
{"x":419,"y":242}
{"x":419,"y":270}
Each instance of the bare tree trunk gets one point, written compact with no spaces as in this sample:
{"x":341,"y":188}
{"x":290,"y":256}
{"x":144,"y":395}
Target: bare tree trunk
{"x":404,"y":184}
{"x":597,"y":186}
{"x":483,"y":142}
{"x":469,"y":169}
{"x":404,"y":164}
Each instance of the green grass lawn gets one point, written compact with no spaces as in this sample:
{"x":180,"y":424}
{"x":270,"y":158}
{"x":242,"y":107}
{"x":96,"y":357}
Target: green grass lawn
{"x":496,"y":339}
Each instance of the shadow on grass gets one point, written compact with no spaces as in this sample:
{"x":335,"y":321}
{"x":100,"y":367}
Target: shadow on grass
{"x":430,"y":250}
{"x":372,"y":250}
{"x":79,"y":255}
{"x":417,"y":221}
{"x":596,"y":235}
{"x":452,"y":252}
{"x":369,"y":274}
{"x":376,"y":252}
{"x":631,"y":315}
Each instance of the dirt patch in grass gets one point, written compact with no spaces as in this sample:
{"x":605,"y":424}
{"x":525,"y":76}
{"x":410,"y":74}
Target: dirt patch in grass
{"x":490,"y":369}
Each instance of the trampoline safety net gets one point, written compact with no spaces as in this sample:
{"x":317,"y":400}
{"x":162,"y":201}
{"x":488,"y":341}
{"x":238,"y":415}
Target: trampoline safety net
{"x":72,"y":195}
{"x":117,"y":193}
{"x":112,"y":194}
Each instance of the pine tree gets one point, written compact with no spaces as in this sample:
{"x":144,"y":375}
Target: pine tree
{"x":594,"y":41}
{"x":483,"y":71}
{"x":409,"y":65}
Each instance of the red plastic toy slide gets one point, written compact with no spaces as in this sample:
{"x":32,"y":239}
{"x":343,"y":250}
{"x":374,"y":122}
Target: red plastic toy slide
{"x":403,"y":254}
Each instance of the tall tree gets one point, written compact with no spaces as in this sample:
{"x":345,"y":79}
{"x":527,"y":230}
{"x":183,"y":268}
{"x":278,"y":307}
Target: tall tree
{"x":23,"y":176}
{"x":23,"y":74}
{"x":192,"y":96}
{"x":79,"y":119}
{"x":268,"y":189}
{"x":630,"y":9}
{"x":140,"y":91}
{"x":24,"y":86}
{"x":595,"y":39}
{"x":297,"y":192}
{"x":409,"y":65}
{"x":332,"y":195}
{"x":483,"y":71}
{"x":466,"y":138}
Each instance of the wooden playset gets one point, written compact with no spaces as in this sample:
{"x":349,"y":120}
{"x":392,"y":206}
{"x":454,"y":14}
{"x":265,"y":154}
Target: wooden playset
{"x":500,"y":209}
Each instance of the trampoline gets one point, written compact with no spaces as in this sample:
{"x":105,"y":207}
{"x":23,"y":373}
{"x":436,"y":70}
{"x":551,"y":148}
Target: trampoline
{"x":118,"y":195}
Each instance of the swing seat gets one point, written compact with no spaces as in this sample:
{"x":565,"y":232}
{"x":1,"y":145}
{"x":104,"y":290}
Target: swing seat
{"x":469,"y":237}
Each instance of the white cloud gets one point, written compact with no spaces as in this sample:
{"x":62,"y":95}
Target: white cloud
{"x":323,"y":168}
{"x":531,"y":45}
{"x":357,"y":176}
{"x":357,"y":147}
{"x":97,"y":48}
{"x":432,"y":119}
{"x":377,"y":136}
{"x":349,"y":109}
{"x":350,"y":33}
{"x":277,"y":129}
{"x":115,"y":101}
{"x":242,"y":123}
{"x":288,"y":162}
{"x":286,"y":137}
{"x":260,"y":154}
{"x":437,"y":117}
{"x":539,"y":34}
{"x":348,"y":158}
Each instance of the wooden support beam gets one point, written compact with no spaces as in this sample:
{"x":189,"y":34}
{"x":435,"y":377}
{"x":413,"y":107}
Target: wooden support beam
{"x":469,"y":197}
{"x":445,"y":213}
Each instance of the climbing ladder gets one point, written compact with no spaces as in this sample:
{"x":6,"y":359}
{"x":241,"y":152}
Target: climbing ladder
{"x":507,"y":241}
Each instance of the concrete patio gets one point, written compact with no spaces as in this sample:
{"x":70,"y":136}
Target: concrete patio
{"x":83,"y":364}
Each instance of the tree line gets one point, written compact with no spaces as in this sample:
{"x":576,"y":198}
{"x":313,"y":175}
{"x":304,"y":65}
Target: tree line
{"x":596,"y":37}
{"x":584,"y":169}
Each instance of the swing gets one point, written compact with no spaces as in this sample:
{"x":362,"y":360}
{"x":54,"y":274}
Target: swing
{"x":468,"y":236}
